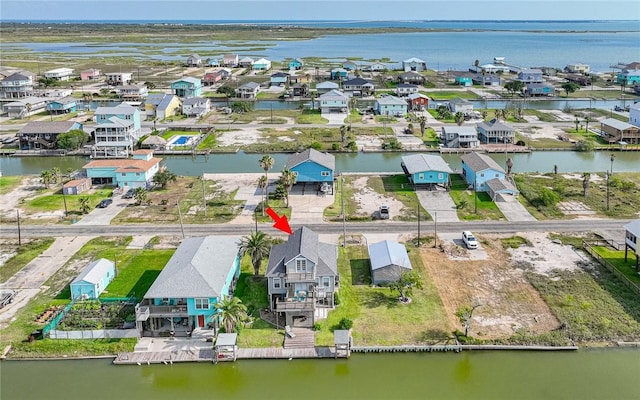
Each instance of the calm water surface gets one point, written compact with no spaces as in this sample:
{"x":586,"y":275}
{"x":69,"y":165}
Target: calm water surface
{"x":593,"y":374}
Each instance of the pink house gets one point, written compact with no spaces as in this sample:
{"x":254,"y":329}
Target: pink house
{"x":90,"y":74}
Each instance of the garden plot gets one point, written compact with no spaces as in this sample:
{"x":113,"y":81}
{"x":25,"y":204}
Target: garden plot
{"x":93,"y":314}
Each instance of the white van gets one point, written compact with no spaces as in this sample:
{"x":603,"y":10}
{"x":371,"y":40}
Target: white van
{"x":469,"y":240}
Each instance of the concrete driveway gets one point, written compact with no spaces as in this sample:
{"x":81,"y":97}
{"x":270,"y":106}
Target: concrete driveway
{"x":335,"y":118}
{"x":308,"y":207}
{"x":438,"y":202}
{"x":513,"y":210}
{"x":103,"y":216}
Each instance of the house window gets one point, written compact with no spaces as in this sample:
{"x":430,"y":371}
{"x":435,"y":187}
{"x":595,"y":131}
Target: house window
{"x":276,"y":283}
{"x":420,"y":176}
{"x":137,"y":173}
{"x":324,"y":173}
{"x":202,"y":304}
{"x":301,"y":265}
{"x":326,"y":281}
{"x":482,"y":174}
{"x":440,"y":176}
{"x":124,"y":174}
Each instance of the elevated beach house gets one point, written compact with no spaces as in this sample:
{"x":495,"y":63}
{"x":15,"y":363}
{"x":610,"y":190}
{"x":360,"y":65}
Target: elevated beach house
{"x":91,"y":74}
{"x":93,"y":279}
{"x":414,"y":64}
{"x":194,"y":60}
{"x":44,"y":135}
{"x":615,"y":131}
{"x":202,"y":272}
{"x":302,"y":276}
{"x":186,"y":87}
{"x":261,"y":64}
{"x":161,"y":105}
{"x":118,"y":78}
{"x":632,"y":241}
{"x":333,"y":101}
{"x":17,"y":85}
{"x":248,"y":91}
{"x":495,"y":131}
{"x":313,"y":167}
{"x":296,"y":64}
{"x":358,"y":87}
{"x":389,"y":260}
{"x":426,"y":169}
{"x":59,"y":74}
{"x":62,"y":105}
{"x":196,"y":106}
{"x":463,"y":136}
{"x":478,"y":168}
{"x":116,"y":132}
{"x":124,"y":172}
{"x":390,"y":105}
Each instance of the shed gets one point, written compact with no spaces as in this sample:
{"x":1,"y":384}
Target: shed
{"x":93,"y":279}
{"x":77,"y":186}
{"x":497,"y":187}
{"x":226,"y":347}
{"x":389,"y":260}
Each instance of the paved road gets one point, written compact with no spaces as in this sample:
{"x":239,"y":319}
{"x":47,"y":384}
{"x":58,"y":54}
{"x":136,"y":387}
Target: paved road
{"x":576,"y":225}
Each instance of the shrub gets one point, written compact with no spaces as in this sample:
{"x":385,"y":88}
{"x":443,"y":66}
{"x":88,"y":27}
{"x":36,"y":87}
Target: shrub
{"x":584,"y":145}
{"x":336,"y":298}
{"x":345,"y":324}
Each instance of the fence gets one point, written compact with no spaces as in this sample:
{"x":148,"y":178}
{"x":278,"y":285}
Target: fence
{"x":626,"y":281}
{"x":53,"y":324}
{"x":94,"y":334}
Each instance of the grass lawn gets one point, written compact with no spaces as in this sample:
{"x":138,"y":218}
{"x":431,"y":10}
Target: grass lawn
{"x":544,"y":143}
{"x":136,"y":275}
{"x":592,"y":306}
{"x":169,"y":133}
{"x":398,"y":187}
{"x":466,"y":202}
{"x":253,"y":293}
{"x":56,"y":292}
{"x":55,"y":201}
{"x":334,"y":211}
{"x":616,"y":258}
{"x":311,"y":117}
{"x":26,"y":253}
{"x":448,"y":95}
{"x":209,"y":142}
{"x":277,"y":205}
{"x":378,"y":318}
{"x":8,"y":183}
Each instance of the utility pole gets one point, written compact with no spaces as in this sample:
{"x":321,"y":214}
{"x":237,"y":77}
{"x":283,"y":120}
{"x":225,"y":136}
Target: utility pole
{"x":180,"y":217}
{"x":344,"y":226}
{"x":19,"y":235}
{"x":204,"y":199}
{"x":475,"y":193}
{"x":418,"y":220}
{"x":435,"y":229}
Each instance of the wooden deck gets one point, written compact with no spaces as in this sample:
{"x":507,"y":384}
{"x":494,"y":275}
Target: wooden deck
{"x":164,"y":357}
{"x":279,"y":352}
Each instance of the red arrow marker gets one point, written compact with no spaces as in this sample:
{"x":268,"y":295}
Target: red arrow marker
{"x":280,"y":223}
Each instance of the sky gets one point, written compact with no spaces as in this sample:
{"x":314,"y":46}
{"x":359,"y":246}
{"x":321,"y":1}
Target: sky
{"x":296,"y":10}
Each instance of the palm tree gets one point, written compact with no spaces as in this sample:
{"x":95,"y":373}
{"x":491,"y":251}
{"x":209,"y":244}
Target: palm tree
{"x":423,"y":124}
{"x":262,"y":184}
{"x":84,"y":204}
{"x":266,"y":163}
{"x":509,"y":165}
{"x":257,"y":246}
{"x":141,"y":195}
{"x":459,"y":117}
{"x":287,"y":179}
{"x":585,"y":183}
{"x":46,"y":177}
{"x":232,"y":312}
{"x":55,"y":174}
{"x":343,"y":133}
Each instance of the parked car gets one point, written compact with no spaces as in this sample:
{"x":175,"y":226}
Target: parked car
{"x":469,"y":240}
{"x":129,"y":194}
{"x":105,"y":203}
{"x":384,"y":212}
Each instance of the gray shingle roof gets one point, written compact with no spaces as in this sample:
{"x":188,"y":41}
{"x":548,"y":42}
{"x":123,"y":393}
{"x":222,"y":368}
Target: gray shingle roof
{"x":391,"y":101}
{"x":425,"y":162}
{"x":16,"y":77}
{"x":495,"y":125}
{"x":480,"y":162}
{"x":334,"y":95}
{"x":303,"y":242}
{"x":496,"y":185}
{"x":614,"y":123}
{"x":250,"y":86}
{"x":324,"y":159}
{"x":46,"y":127}
{"x":198,"y":268}
{"x":386,"y":253}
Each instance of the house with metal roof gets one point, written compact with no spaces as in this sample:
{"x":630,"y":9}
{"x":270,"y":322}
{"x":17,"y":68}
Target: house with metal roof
{"x":530,"y":75}
{"x":389,"y":260}
{"x":25,"y":106}
{"x":44,"y":135}
{"x":296,"y":63}
{"x":459,"y":136}
{"x":59,"y":74}
{"x":495,"y":131}
{"x":118,"y":78}
{"x":186,"y":87}
{"x":132,"y":92}
{"x":261,"y":65}
{"x":411,"y":77}
{"x":487,"y":79}
{"x":615,"y":131}
{"x":478,"y":168}
{"x":314,"y":167}
{"x":93,"y":279}
{"x":405,"y":89}
{"x":414,"y":64}
{"x":302,"y":276}
{"x":539,"y":89}
{"x":632,"y":241}
{"x":339,"y":74}
{"x":333,"y":101}
{"x":358,"y":87}
{"x":196,"y":106}
{"x":429,"y":169}
{"x":458,"y":104}
{"x":91,"y":74}
{"x":248,"y":91}
{"x":628,"y":77}
{"x":325,"y":87}
{"x":390,"y":105}
{"x":279,"y":78}
{"x":418,"y":101}
{"x":202,"y":272}
{"x":62,"y":105}
{"x":194,"y":60}
{"x":230,"y":60}
{"x":117,"y":131}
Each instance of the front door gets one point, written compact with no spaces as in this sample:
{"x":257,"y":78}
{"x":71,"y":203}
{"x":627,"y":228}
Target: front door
{"x":200,"y":321}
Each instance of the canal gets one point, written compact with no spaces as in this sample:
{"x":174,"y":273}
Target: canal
{"x":584,"y":374}
{"x":540,"y":161}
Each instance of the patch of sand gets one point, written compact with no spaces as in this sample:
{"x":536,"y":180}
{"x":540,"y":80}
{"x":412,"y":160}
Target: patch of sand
{"x":544,"y":255}
{"x":28,"y":188}
{"x":542,"y":132}
{"x":240,"y":137}
{"x":369,"y":201}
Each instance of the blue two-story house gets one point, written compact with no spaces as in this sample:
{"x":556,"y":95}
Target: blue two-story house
{"x":187,"y":87}
{"x":333,"y":101}
{"x":312,"y":166}
{"x":390,"y":105}
{"x":63,"y":105}
{"x":339,"y":74}
{"x":426,"y":169}
{"x":201,"y":272}
{"x":530,"y":75}
{"x":478,"y":168}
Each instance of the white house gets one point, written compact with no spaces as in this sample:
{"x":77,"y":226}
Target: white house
{"x":60,"y":74}
{"x":632,"y":240}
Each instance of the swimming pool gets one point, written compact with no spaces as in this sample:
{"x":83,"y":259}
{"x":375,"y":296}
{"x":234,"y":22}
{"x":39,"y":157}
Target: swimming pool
{"x":182,"y":140}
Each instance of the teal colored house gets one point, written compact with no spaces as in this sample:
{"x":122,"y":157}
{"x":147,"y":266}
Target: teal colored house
{"x":201,"y":272}
{"x":63,"y":105}
{"x":426,"y":169}
{"x":312,"y":166}
{"x":464,"y":80}
{"x":187,"y":87}
{"x":93,"y":279}
{"x":339,"y":73}
{"x":478,"y":168}
{"x":296,"y":63}
{"x":539,"y":89}
{"x":124,"y":172}
{"x":123,"y":111}
{"x":629,"y":77}
{"x":390,"y":105}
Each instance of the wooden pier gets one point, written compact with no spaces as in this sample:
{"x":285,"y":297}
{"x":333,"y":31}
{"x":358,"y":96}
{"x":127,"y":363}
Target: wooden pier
{"x":164,"y":357}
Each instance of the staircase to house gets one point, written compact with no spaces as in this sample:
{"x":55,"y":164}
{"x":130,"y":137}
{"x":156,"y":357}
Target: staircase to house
{"x":303,"y":338}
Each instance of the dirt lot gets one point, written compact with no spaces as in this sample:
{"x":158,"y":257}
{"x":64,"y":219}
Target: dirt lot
{"x":508,"y":300}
